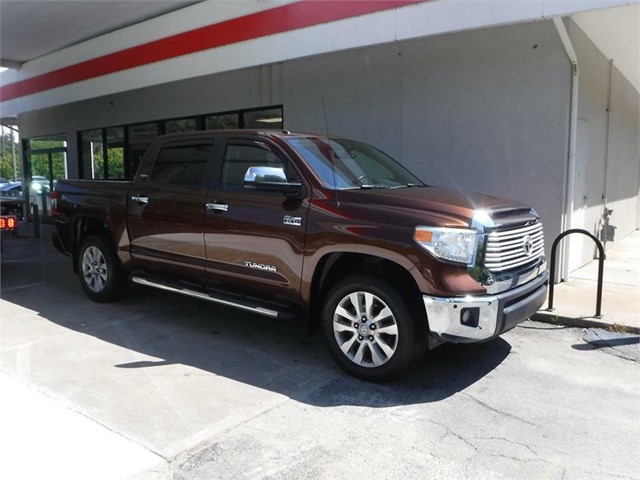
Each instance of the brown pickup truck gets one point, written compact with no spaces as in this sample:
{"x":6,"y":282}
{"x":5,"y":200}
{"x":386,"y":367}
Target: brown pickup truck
{"x":329,"y":230}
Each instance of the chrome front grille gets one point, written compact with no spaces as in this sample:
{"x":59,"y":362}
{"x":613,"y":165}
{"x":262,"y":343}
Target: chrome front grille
{"x":513,"y":248}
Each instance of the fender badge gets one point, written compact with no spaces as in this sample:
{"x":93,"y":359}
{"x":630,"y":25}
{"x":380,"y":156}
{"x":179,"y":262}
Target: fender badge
{"x":289,"y":220}
{"x":260,"y":266}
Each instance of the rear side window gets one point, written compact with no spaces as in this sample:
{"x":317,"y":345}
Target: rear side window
{"x":182,"y":165}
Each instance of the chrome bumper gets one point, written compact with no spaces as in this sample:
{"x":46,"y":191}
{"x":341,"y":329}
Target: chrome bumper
{"x":476,"y":318}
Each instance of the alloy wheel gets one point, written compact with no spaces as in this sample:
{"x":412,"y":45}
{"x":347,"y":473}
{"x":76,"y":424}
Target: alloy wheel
{"x":365,"y":329}
{"x":94,"y":269}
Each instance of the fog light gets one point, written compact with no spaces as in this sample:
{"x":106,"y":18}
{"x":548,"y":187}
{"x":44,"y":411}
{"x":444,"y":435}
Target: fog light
{"x":470,"y":317}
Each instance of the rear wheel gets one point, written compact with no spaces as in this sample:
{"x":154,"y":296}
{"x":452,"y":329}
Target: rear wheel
{"x":370,"y":329}
{"x":101,"y":275}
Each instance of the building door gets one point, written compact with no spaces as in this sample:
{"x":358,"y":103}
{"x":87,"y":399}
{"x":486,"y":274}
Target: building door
{"x":45,"y":168}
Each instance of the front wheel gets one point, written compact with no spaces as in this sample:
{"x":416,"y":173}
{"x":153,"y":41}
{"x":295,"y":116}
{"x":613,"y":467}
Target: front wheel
{"x":370,"y":329}
{"x":101,"y":274}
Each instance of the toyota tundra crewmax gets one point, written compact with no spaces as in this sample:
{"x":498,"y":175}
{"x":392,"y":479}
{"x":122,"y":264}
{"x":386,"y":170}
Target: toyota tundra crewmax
{"x":330,"y":231}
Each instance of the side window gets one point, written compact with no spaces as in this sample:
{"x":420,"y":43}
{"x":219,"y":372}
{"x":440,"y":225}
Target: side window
{"x":182,"y":165}
{"x":240,"y":156}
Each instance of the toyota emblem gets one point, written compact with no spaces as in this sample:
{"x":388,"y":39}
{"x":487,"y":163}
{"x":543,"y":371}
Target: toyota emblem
{"x":527,"y":245}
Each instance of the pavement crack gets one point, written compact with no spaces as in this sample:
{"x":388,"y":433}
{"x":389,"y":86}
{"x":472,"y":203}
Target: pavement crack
{"x":449,"y":431}
{"x":506,"y":440}
{"x":498,"y":411}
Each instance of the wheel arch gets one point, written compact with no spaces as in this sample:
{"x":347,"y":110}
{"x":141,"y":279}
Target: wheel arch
{"x":84,"y":226}
{"x":333,"y":266}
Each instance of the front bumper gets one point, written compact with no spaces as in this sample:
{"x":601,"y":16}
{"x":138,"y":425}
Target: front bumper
{"x":476,"y":318}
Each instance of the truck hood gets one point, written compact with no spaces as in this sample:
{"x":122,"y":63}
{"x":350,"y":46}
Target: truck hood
{"x":457,"y":205}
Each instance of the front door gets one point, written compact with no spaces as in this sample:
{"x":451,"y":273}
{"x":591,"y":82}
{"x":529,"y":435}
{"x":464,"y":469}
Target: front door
{"x":166,"y":210}
{"x":46,"y":169}
{"x":254,"y":239}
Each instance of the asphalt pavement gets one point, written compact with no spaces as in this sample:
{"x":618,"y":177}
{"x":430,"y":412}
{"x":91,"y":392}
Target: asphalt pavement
{"x":159,"y":387}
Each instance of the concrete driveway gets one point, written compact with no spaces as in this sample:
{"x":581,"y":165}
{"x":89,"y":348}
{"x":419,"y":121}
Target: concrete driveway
{"x":161,"y":386}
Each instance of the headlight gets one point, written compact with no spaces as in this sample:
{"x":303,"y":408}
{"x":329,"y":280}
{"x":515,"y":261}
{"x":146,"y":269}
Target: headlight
{"x":453,"y":244}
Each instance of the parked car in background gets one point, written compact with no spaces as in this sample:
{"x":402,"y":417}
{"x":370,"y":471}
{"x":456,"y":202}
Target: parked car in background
{"x":11,"y":199}
{"x":11,"y":189}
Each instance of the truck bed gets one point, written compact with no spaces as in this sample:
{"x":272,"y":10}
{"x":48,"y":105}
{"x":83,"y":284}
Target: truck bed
{"x":105,"y":200}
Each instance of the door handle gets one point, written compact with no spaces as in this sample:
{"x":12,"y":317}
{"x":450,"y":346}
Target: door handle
{"x":139,"y":199}
{"x":220,"y":207}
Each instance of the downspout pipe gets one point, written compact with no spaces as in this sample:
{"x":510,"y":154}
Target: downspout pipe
{"x":570,"y":170}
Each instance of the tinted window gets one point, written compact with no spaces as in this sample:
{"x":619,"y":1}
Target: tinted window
{"x":239,"y":157}
{"x":182,"y":165}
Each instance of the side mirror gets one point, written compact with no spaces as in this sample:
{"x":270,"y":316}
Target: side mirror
{"x":271,"y":179}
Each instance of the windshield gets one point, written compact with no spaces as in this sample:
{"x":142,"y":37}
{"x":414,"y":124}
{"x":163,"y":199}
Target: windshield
{"x":342,"y":164}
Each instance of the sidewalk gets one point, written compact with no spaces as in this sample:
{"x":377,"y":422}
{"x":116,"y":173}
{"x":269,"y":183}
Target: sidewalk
{"x":43,"y":438}
{"x":575,"y":299}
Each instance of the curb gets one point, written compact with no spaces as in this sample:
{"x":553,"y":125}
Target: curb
{"x":581,"y":322}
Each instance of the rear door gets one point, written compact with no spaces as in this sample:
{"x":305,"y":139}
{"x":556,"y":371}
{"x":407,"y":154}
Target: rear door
{"x":254,"y":239}
{"x":166,"y":209}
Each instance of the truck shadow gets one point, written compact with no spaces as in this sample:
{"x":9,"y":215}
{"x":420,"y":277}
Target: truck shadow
{"x":160,"y":329}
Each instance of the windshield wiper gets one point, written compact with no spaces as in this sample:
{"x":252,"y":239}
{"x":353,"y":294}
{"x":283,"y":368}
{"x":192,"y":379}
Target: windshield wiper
{"x":373,"y":186}
{"x":408,"y":185}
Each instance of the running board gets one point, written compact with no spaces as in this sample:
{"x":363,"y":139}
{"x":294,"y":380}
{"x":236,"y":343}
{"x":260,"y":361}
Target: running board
{"x":204,"y":296}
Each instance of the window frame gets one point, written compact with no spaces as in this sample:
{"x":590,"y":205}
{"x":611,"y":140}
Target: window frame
{"x":288,"y":163}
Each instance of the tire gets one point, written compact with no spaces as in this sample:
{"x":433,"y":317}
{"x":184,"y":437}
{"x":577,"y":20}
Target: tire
{"x":100,"y":272}
{"x":379,"y":343}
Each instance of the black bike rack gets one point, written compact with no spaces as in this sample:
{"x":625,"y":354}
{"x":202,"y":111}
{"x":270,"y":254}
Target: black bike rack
{"x":601,"y":258}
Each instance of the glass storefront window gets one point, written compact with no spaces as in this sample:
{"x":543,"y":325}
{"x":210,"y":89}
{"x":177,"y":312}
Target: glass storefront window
{"x":115,"y":164}
{"x":115,"y":136}
{"x":142,"y":133}
{"x":115,"y":152}
{"x":93,"y":154}
{"x":51,"y":141}
{"x":270,"y":118}
{"x":222,"y":122}
{"x":181,"y":125}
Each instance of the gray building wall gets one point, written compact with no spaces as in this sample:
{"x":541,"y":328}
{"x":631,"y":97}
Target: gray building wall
{"x":607,"y":154}
{"x":234,"y":90}
{"x":623,"y":168}
{"x":485,"y":111}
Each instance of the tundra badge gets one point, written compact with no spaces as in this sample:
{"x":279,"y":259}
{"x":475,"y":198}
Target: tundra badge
{"x":260,"y":266}
{"x":289,"y":220}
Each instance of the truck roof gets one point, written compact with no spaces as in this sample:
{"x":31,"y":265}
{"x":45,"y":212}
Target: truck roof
{"x":270,"y":133}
